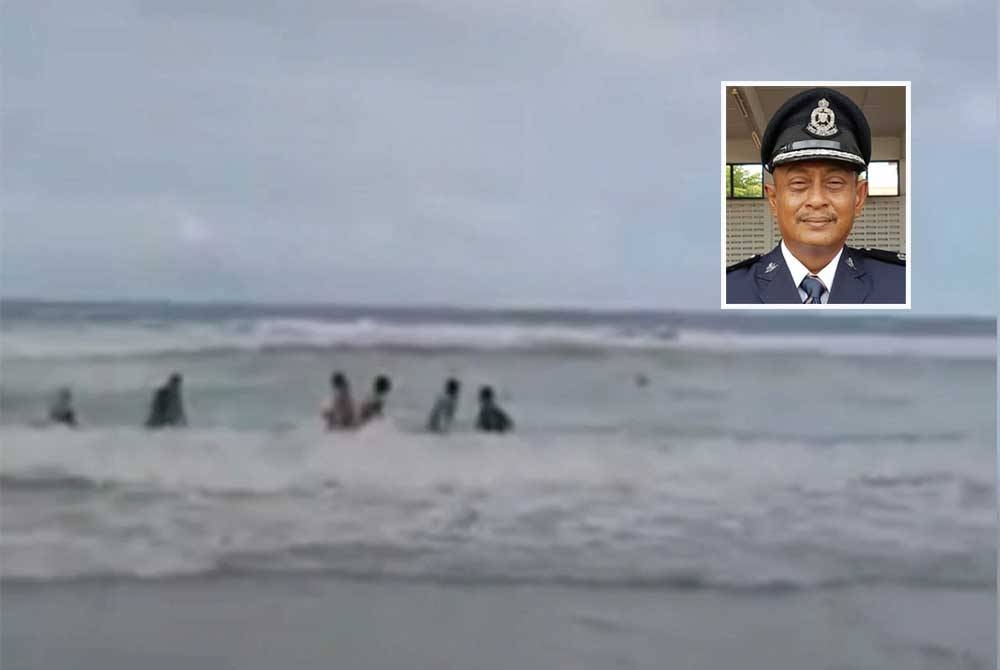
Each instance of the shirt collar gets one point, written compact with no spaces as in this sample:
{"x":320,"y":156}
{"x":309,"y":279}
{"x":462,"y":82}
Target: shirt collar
{"x":800,"y":271}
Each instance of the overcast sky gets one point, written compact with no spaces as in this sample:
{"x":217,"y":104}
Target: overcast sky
{"x":442,"y":151}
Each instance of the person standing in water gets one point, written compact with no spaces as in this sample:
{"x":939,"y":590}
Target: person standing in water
{"x":374,"y":406}
{"x":167,"y":408}
{"x":444,"y":408}
{"x":61,"y":411}
{"x":491,"y":419}
{"x":339,"y":413}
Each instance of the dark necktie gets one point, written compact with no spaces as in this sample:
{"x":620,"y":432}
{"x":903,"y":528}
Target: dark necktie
{"x":814,"y":290}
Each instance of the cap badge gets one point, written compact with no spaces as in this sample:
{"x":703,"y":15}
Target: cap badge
{"x":850,"y":263}
{"x":771,"y":267}
{"x":822,"y":122}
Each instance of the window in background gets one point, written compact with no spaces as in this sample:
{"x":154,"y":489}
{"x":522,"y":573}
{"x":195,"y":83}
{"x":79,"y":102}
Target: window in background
{"x":747,"y":180}
{"x":883,"y":178}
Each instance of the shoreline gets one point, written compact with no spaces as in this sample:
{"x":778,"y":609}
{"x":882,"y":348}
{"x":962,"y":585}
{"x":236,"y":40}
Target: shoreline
{"x":320,"y":622}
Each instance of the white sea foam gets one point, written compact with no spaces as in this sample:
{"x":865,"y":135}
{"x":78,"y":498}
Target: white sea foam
{"x":712,"y":513}
{"x":131,"y":339}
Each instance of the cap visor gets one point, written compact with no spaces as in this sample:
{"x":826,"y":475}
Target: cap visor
{"x":818,"y":154}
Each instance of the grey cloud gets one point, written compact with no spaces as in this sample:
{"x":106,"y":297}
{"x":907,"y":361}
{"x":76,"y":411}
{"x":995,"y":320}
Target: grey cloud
{"x":431,"y":150}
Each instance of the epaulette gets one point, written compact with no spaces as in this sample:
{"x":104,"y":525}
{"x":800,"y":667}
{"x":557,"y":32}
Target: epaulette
{"x":896,"y":258}
{"x":743,"y":263}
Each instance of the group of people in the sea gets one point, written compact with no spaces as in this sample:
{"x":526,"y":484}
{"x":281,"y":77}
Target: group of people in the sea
{"x":167,"y":407}
{"x":339,"y":413}
{"x":165,"y":410}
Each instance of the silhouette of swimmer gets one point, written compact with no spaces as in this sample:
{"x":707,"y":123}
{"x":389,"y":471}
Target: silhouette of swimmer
{"x":61,"y":411}
{"x":374,"y":406}
{"x":491,"y":418}
{"x":339,"y":413}
{"x":167,"y":408}
{"x":441,"y":416}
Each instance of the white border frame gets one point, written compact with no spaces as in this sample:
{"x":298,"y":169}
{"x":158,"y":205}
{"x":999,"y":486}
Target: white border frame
{"x":907,"y":214}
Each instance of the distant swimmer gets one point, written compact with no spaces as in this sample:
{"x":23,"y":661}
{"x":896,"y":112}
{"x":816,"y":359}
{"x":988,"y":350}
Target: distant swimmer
{"x":61,"y":410}
{"x":444,"y":408}
{"x":374,"y":406}
{"x":339,"y":413}
{"x":491,"y":418}
{"x":167,"y":408}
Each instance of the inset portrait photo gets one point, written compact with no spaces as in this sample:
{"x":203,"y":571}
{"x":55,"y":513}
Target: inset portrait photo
{"x":815,"y":195}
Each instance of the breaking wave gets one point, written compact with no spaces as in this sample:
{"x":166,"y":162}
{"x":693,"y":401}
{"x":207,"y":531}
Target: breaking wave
{"x":147,"y":339}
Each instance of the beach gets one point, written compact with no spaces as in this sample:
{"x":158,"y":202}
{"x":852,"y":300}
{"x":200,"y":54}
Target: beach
{"x":772,"y":494}
{"x":321,"y":623}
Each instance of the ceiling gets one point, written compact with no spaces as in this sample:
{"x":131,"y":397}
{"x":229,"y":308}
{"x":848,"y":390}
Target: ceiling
{"x":883,"y":106}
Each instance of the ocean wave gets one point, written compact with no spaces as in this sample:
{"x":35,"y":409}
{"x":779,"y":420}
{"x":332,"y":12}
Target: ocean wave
{"x":302,"y":458}
{"x":161,"y":339}
{"x":922,"y":479}
{"x":40,"y":481}
{"x":676,"y":581}
{"x":384,"y":504}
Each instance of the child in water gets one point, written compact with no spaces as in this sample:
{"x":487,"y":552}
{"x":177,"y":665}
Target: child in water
{"x":61,"y":411}
{"x":444,"y":409}
{"x":167,"y":407}
{"x":374,"y":406}
{"x":492,"y":419}
{"x":339,"y":413}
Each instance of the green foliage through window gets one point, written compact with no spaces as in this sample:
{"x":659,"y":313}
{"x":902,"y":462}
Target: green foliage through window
{"x":747,"y":181}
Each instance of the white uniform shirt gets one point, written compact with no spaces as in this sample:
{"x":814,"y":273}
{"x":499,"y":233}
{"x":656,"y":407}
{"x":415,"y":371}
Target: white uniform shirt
{"x":800,"y":272}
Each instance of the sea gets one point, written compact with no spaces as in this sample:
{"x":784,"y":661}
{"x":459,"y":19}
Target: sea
{"x":749,"y":456}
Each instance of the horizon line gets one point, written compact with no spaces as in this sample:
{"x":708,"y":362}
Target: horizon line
{"x":566,"y":309}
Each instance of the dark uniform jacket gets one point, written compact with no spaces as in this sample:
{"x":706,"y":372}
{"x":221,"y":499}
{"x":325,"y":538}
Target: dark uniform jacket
{"x":864,"y":276}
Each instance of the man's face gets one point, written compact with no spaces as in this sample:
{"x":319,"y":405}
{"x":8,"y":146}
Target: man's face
{"x":815,"y":203}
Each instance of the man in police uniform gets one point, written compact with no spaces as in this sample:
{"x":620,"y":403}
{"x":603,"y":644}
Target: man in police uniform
{"x":815,"y":146}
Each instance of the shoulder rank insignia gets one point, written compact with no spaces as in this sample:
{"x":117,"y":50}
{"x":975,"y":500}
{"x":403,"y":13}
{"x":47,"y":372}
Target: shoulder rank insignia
{"x":771,"y":267}
{"x":746,"y":262}
{"x":894,"y":257}
{"x":850,"y":263}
